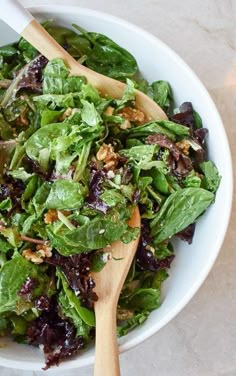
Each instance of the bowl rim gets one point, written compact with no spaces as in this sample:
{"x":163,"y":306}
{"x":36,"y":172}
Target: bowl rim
{"x":140,"y":337}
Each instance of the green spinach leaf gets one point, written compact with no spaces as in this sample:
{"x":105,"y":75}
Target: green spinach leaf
{"x":107,"y":57}
{"x":65,"y":194}
{"x":12,"y":276}
{"x":211,"y":180}
{"x":125,"y":326}
{"x":71,"y":306}
{"x":178,"y":211}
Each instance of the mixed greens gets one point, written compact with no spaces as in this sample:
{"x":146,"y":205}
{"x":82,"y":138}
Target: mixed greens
{"x":74,"y":165}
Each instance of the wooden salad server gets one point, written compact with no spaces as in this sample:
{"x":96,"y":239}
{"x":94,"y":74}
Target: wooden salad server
{"x":110,"y":280}
{"x":19,"y":19}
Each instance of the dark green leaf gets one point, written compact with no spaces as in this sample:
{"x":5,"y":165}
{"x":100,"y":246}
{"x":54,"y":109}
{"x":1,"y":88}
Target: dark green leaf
{"x":211,"y":180}
{"x":177,"y":129}
{"x":58,"y":242}
{"x":149,"y":129}
{"x":40,"y":198}
{"x":161,"y":93}
{"x":160,"y":182}
{"x":6,"y":204}
{"x":197,"y":119}
{"x":178,"y":211}
{"x":142,"y":299}
{"x":29,"y":52}
{"x":98,"y":262}
{"x":126,"y":326}
{"x":192,"y":180}
{"x":8,"y":51}
{"x":5,"y":246}
{"x":31,"y":188}
{"x":107,"y":57}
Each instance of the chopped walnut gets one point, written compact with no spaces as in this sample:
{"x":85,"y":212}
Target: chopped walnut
{"x":37,"y":257}
{"x":184,"y":146}
{"x":51,"y":216}
{"x":44,"y":250}
{"x":66,"y":114}
{"x":109,"y":111}
{"x":125,"y":125}
{"x":107,"y":155}
{"x":32,"y":256}
{"x":132,"y":114}
{"x":124,"y":314}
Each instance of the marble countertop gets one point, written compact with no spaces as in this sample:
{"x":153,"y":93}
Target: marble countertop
{"x":201,"y":340}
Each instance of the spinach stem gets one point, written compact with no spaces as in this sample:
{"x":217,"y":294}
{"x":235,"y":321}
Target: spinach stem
{"x":155,"y":195}
{"x":32,"y":240}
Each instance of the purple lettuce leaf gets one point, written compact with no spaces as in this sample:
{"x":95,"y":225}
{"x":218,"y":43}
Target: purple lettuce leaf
{"x":28,"y":286}
{"x":187,"y":233}
{"x":185,"y":116}
{"x":56,"y":335}
{"x":180,"y":164}
{"x":32,"y":166}
{"x":95,"y":190}
{"x":13,"y":189}
{"x":32,"y":78}
{"x":42,"y":303}
{"x":77,"y":270}
{"x":199,"y":136}
{"x":145,"y":259}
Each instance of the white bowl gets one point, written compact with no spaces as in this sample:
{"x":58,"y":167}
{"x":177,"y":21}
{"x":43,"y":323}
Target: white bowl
{"x":192,"y":263}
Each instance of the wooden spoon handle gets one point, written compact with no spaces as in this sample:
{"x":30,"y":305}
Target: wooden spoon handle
{"x":106,"y":355}
{"x":35,"y":34}
{"x":17,"y":17}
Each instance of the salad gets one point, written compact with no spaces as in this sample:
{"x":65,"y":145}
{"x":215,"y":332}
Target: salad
{"x":74,"y":165}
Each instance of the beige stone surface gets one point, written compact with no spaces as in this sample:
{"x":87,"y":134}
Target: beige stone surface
{"x":201,"y":340}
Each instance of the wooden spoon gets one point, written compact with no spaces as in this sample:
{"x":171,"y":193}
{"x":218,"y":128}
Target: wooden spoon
{"x":16,"y":16}
{"x":109,"y":282}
